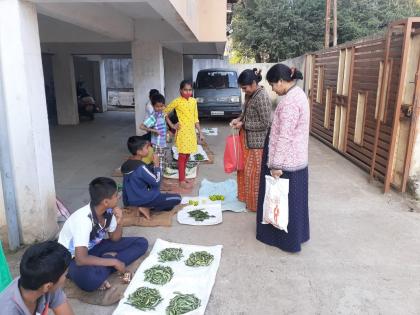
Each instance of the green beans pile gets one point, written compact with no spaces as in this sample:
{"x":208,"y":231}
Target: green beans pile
{"x":199,"y":259}
{"x":170,"y":254}
{"x":193,"y":202}
{"x":158,"y":274}
{"x":200,"y":215}
{"x":216,"y":197}
{"x":198,"y":157}
{"x":182,"y":303}
{"x":144,"y":299}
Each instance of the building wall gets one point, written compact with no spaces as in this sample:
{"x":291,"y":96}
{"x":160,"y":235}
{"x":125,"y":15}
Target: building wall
{"x":119,"y":73}
{"x":2,"y":209}
{"x":174,"y":73}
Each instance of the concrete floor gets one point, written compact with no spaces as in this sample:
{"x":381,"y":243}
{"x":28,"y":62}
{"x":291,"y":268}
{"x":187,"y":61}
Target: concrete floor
{"x":363,"y":256}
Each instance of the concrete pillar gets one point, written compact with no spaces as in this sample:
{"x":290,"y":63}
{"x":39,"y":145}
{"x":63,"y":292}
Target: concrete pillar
{"x":26,"y":122}
{"x":148,"y":74}
{"x":97,"y":95}
{"x":102,"y":78}
{"x":188,"y":68}
{"x":65,"y":88}
{"x":174,"y":73}
{"x":2,"y":209}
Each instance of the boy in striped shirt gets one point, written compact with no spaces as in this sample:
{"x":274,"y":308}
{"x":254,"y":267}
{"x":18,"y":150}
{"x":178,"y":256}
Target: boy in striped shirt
{"x":156,"y":124}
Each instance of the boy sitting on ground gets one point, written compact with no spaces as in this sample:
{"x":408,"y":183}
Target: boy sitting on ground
{"x":141,"y":184}
{"x":95,"y":258}
{"x":156,"y":125}
{"x":43,"y":270}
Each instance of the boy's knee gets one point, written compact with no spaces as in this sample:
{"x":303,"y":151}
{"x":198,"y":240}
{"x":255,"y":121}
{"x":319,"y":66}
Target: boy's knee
{"x":90,"y":281}
{"x":142,"y":244}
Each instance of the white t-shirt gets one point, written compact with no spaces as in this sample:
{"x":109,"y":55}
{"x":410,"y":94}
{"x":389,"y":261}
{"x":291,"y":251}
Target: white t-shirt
{"x":76,"y":230}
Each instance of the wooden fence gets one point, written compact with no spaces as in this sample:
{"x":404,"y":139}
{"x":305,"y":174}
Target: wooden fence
{"x":364,"y":100}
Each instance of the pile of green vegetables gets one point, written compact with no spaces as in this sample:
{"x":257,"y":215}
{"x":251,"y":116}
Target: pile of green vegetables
{"x":158,"y":275}
{"x":199,"y":215}
{"x":170,"y":254}
{"x":217,"y":197}
{"x":182,"y":303}
{"x":198,"y":157}
{"x":144,"y":299}
{"x":199,"y":259}
{"x":193,"y":202}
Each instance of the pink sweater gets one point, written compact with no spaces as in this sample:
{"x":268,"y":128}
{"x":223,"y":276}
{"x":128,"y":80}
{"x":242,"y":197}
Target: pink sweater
{"x":289,"y":135}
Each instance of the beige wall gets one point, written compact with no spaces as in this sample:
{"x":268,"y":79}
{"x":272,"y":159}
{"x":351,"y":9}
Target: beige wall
{"x":205,"y":18}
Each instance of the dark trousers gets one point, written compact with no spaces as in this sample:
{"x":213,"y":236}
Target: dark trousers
{"x":164,"y":202}
{"x":90,"y":278}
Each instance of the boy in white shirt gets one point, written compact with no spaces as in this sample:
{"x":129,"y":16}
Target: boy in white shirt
{"x":84,"y":232}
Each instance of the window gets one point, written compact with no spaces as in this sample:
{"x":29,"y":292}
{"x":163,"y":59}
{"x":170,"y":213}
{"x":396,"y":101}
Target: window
{"x":343,"y":77}
{"x":327,"y":113}
{"x":216,"y":80}
{"x":360,"y":118}
{"x":320,"y":85}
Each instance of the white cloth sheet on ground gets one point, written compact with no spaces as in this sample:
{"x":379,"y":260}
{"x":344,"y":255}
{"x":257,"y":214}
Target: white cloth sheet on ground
{"x":228,"y":188}
{"x":209,"y":131}
{"x":200,"y":150}
{"x":187,"y":280}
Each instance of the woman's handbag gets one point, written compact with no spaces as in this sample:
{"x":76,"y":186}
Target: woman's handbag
{"x":233,"y":157}
{"x":276,"y":202}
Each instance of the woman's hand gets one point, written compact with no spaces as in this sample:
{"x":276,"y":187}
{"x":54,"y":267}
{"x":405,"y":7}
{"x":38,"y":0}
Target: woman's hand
{"x":276,"y":173}
{"x":236,"y":123}
{"x":177,"y":126}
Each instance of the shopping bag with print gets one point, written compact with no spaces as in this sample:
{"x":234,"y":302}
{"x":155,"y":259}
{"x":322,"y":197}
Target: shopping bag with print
{"x":276,"y":202}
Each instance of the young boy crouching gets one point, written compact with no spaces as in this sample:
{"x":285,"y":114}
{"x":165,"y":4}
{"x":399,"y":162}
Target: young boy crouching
{"x":84,"y":232}
{"x":141,"y":183}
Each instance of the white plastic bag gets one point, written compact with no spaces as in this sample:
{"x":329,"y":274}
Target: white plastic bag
{"x":276,"y":202}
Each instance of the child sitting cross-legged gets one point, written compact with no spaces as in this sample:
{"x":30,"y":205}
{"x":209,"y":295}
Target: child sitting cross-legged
{"x":84,"y":232}
{"x":141,"y":183}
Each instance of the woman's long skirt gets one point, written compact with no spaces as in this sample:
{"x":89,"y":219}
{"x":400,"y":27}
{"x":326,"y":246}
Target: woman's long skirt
{"x":298,"y":227}
{"x":249,"y":178}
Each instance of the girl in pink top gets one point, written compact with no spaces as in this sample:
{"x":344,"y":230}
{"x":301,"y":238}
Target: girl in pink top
{"x":286,"y":155}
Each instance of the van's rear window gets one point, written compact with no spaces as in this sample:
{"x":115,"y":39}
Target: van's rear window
{"x":216,"y":80}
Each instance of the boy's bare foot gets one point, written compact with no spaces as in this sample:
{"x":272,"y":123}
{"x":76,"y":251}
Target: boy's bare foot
{"x":145,"y":212}
{"x":105,"y":286}
{"x":185,"y":185}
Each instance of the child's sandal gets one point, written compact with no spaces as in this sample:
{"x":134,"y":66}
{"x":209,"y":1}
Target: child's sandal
{"x":126,"y":277}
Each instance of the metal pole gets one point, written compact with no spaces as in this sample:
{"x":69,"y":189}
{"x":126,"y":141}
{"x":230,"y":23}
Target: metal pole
{"x":335,"y":23}
{"x":7,"y":176}
{"x":327,"y":23}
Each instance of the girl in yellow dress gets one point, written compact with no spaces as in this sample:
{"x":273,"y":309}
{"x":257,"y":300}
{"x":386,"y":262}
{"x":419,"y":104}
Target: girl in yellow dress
{"x":186,"y":137}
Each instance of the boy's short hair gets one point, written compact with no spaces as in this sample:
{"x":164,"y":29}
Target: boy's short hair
{"x":135,"y":143}
{"x":153,"y":92}
{"x":101,"y":188}
{"x":42,"y":263}
{"x":157,"y":98}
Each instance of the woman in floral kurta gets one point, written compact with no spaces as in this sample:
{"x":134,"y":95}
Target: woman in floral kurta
{"x":186,"y":138}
